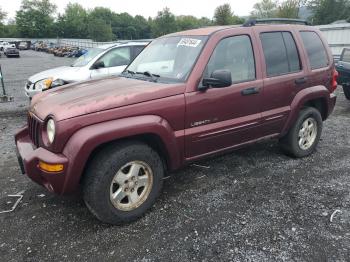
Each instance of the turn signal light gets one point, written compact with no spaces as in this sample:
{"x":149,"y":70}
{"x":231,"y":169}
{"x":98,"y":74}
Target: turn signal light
{"x":50,"y":167}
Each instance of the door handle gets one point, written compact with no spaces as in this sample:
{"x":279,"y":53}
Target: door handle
{"x":250,"y":91}
{"x":300,"y":81}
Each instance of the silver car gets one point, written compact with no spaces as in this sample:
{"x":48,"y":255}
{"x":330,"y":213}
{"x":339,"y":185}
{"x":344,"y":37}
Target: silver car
{"x":102,"y":61}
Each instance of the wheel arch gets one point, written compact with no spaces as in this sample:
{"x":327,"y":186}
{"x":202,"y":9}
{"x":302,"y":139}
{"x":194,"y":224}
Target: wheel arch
{"x":316,"y":96}
{"x":152,"y":130}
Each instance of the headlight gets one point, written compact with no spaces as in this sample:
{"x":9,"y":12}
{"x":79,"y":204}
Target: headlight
{"x":48,"y":83}
{"x":43,"y":84}
{"x":50,"y":130}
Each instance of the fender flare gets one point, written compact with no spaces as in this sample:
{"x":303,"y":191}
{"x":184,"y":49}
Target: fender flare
{"x":82,"y":143}
{"x":301,"y":98}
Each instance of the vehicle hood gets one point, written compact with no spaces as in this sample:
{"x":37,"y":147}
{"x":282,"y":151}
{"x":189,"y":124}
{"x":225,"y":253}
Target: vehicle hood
{"x":63,"y":72}
{"x":98,"y":95}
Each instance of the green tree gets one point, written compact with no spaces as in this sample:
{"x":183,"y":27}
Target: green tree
{"x":100,"y":31}
{"x":2,"y":26}
{"x":164,"y":23}
{"x":35,"y":19}
{"x":123,"y":26}
{"x":289,"y":9}
{"x":328,"y":11}
{"x":265,"y":9}
{"x":185,"y":22}
{"x":73,"y":23}
{"x":100,"y":24}
{"x":223,"y":15}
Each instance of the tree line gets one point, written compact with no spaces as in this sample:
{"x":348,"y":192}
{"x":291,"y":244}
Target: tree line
{"x":38,"y":19}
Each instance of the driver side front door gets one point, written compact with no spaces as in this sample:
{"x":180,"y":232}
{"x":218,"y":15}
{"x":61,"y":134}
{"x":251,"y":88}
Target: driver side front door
{"x":222,"y":118}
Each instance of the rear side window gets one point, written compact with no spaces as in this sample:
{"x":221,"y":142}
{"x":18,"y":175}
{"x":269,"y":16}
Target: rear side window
{"x":315,"y":50}
{"x":346,"y":56}
{"x":281,"y":54}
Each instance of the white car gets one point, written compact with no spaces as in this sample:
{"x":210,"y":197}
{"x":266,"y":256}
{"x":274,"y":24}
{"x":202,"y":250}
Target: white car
{"x":4,"y":45}
{"x":98,"y":62}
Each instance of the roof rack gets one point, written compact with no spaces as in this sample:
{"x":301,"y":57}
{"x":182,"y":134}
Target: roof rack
{"x":253,"y":22}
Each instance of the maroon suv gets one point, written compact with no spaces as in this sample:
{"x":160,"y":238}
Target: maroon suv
{"x":187,"y":96}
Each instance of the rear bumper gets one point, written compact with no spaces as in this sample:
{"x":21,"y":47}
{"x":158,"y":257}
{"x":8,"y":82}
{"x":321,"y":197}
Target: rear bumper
{"x":332,"y":101}
{"x":29,"y":157}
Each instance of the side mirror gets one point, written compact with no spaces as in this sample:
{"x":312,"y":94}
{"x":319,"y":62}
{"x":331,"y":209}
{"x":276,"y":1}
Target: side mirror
{"x":98,"y":65}
{"x":218,"y":79}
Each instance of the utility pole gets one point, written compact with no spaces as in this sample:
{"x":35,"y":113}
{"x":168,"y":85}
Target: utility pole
{"x":4,"y":97}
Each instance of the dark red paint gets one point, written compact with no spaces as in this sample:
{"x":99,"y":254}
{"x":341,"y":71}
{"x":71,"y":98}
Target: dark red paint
{"x":94,"y":113}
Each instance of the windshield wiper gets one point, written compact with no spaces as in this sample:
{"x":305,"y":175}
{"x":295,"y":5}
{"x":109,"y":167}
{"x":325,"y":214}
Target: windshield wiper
{"x":130,"y":72}
{"x":149,"y":74}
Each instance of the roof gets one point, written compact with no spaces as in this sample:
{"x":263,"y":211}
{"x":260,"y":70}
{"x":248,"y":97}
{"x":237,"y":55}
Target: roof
{"x":202,"y":31}
{"x":212,"y":29}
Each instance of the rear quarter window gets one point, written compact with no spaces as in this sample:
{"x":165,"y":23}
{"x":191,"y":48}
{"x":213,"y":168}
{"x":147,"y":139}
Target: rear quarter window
{"x":315,"y":49}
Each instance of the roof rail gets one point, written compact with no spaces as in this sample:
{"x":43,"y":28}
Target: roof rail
{"x":253,"y":22}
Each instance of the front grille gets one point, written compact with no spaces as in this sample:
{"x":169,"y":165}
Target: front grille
{"x":34,"y":127}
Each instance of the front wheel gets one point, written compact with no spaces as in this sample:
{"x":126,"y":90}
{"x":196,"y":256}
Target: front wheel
{"x":122,"y":182}
{"x":303,"y":137}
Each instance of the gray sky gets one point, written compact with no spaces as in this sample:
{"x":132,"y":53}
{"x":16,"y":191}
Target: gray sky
{"x":146,"y":8}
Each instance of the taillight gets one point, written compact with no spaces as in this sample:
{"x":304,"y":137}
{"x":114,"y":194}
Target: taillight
{"x":334,"y":83}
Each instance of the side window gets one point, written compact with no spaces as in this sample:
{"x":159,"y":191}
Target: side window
{"x":346,"y":56}
{"x":236,"y":55}
{"x":315,"y":50}
{"x":116,"y":57}
{"x":137,"y":50}
{"x":281,"y":54}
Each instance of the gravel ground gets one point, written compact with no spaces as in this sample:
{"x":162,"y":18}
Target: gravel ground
{"x":16,"y":72}
{"x":254,"y":204}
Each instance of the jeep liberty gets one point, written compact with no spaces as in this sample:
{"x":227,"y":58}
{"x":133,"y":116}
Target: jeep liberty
{"x":187,"y":96}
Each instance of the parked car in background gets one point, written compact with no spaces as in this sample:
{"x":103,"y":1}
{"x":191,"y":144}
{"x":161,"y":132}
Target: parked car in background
{"x":4,"y":45}
{"x":343,"y":68}
{"x":98,"y":62}
{"x":187,"y":96}
{"x":23,"y":46}
{"x":11,"y":52}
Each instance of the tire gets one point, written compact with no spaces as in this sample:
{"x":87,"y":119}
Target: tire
{"x":346,"y":89}
{"x":290,"y":143}
{"x":98,"y":187}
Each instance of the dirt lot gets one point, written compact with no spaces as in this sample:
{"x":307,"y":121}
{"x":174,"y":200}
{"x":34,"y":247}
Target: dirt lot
{"x":255,"y":204}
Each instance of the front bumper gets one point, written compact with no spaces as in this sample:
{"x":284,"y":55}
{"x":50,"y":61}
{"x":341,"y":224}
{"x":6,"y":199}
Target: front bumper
{"x":29,"y":157}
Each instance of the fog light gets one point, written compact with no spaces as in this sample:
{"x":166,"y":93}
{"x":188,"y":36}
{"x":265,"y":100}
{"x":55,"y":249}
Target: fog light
{"x":50,"y":167}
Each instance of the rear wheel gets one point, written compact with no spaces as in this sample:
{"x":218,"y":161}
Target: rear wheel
{"x":303,"y":137}
{"x":122,"y":182}
{"x":346,"y":89}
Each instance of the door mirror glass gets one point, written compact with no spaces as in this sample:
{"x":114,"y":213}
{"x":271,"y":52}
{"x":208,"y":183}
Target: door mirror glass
{"x":218,"y":79}
{"x":98,"y":65}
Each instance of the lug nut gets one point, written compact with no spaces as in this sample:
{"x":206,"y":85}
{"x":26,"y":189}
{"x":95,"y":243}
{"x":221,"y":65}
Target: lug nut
{"x":132,"y":190}
{"x":126,"y":189}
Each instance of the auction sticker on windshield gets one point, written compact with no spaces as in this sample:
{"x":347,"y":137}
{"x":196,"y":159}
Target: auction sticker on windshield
{"x":189,"y":42}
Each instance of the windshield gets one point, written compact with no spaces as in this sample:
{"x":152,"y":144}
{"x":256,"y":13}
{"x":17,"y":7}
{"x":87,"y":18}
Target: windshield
{"x":169,"y":58}
{"x":87,"y":57}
